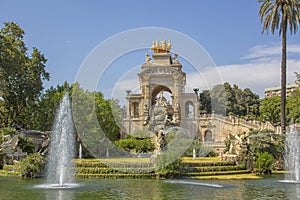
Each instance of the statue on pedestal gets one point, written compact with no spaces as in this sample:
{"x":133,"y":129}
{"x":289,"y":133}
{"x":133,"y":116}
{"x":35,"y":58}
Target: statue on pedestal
{"x":158,"y":122}
{"x":147,"y":59}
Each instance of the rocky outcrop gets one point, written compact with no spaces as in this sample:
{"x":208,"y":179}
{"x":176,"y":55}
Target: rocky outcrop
{"x":12,"y":146}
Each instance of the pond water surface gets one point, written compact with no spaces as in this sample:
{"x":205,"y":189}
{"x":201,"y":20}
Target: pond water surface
{"x":267,"y":188}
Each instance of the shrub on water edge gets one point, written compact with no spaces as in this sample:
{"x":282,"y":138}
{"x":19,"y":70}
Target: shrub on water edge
{"x":263,"y":164}
{"x":167,"y":167}
{"x":31,"y":165}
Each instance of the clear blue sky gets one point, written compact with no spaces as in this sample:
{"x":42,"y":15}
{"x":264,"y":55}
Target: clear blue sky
{"x":230,"y":31}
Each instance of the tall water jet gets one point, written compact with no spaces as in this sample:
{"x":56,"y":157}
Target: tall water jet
{"x":60,"y":168}
{"x":292,"y":156}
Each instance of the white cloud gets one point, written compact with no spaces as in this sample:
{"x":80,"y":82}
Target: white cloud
{"x":119,"y":90}
{"x":270,"y":51}
{"x":261,"y":71}
{"x":263,"y":51}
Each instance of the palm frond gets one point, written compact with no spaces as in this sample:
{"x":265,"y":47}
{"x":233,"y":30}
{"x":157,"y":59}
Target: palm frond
{"x":279,"y":14}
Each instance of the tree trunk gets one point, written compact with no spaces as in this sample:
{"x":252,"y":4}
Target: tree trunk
{"x":283,"y":77}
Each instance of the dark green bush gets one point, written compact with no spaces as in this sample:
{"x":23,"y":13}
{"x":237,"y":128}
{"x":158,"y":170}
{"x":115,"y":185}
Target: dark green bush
{"x":31,"y":165}
{"x":167,"y":167}
{"x":264,"y":162}
{"x":137,"y":145}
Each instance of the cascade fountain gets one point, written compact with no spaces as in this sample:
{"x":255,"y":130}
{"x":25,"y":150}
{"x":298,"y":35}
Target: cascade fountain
{"x":292,"y":156}
{"x":60,"y":168}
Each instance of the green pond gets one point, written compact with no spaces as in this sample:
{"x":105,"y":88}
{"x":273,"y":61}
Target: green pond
{"x":267,"y":188}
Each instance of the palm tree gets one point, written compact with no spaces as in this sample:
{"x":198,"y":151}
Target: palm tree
{"x":281,"y":14}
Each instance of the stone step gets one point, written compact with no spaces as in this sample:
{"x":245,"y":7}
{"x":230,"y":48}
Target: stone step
{"x":199,"y":164}
{"x":99,"y":169}
{"x":90,"y":164}
{"x":107,"y":170}
{"x":113,"y":164}
{"x":215,"y":173}
{"x":115,"y":175}
{"x":213,"y":168}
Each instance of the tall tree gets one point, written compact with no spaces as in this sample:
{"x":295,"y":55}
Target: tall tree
{"x":293,"y":108}
{"x":205,"y":102}
{"x":21,"y":76}
{"x":281,"y":14}
{"x":228,"y":100}
{"x":270,"y":110}
{"x":44,"y":114}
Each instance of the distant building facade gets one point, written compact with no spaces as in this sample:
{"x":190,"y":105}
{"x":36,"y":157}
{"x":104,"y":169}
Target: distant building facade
{"x":276,"y":91}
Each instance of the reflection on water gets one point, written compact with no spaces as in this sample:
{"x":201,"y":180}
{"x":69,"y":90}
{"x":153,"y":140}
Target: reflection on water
{"x":189,"y":182}
{"x":59,"y":194}
{"x":268,"y":188}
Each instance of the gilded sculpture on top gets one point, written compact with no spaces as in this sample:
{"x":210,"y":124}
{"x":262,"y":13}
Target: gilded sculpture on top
{"x":161,"y":47}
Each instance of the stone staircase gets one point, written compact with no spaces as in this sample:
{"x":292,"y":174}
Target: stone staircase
{"x":189,"y":169}
{"x":200,"y":169}
{"x":100,"y":169}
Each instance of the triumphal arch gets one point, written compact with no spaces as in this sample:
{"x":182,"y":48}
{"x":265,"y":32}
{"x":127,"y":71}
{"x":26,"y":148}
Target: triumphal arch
{"x":161,"y":76}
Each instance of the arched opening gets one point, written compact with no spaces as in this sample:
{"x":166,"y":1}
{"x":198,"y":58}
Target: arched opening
{"x":135,"y":109}
{"x":208,"y":136}
{"x":167,"y":93}
{"x":189,"y":109}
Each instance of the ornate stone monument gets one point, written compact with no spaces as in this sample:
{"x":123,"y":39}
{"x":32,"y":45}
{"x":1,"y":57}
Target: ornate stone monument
{"x":161,"y":74}
{"x":158,"y":122}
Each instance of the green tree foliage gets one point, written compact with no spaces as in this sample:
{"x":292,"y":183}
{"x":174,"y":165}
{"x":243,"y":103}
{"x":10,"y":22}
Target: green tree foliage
{"x":264,"y":163}
{"x":205,"y":102}
{"x":31,"y":165}
{"x":279,"y":14}
{"x":248,"y":103}
{"x":261,"y":142}
{"x":44,"y":114}
{"x":227,"y":99}
{"x":21,"y":76}
{"x":270,"y":110}
{"x":88,"y":105}
{"x":85,"y":120}
{"x":97,"y":120}
{"x":218,"y":97}
{"x":109,"y":116}
{"x":293,"y":107}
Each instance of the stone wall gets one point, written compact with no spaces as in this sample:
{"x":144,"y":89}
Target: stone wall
{"x":213,"y":129}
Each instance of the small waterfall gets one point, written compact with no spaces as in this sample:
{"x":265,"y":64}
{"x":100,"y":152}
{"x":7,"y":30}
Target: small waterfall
{"x":292,"y":156}
{"x":60,"y":168}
